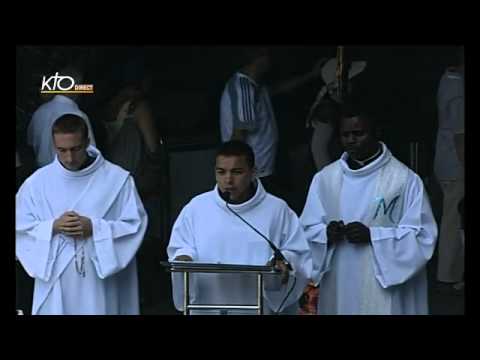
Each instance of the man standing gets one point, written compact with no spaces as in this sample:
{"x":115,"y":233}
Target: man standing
{"x":246,"y":111}
{"x":208,"y":231}
{"x":79,"y":224}
{"x":449,"y":170}
{"x":324,"y":111}
{"x":40,"y":128}
{"x":370,"y":228}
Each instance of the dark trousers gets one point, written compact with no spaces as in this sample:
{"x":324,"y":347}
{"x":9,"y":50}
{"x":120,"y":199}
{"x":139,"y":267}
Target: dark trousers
{"x":23,"y":290}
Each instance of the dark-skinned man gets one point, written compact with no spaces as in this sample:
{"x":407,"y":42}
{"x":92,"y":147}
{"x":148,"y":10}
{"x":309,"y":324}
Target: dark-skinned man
{"x":370,"y":227}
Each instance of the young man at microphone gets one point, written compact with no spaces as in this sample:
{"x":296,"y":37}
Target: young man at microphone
{"x":238,"y":222}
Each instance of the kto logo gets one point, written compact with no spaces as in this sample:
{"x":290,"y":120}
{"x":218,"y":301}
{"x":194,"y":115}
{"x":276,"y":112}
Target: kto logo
{"x":58,"y":84}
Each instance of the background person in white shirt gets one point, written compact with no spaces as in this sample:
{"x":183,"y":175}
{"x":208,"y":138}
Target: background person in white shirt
{"x":449,"y":169}
{"x":39,"y":132}
{"x":246,"y":111}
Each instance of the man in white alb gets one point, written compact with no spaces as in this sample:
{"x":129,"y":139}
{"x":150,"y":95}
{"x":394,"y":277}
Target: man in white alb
{"x":370,"y":227}
{"x":207,"y":231}
{"x":79,"y":224}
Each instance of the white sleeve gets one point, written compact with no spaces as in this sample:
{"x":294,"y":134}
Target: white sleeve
{"x":182,"y":237}
{"x":182,"y":242}
{"x":117,"y":237}
{"x":400,"y":252}
{"x":297,"y":252}
{"x":314,"y":222}
{"x":35,"y":247}
{"x":242,"y":97}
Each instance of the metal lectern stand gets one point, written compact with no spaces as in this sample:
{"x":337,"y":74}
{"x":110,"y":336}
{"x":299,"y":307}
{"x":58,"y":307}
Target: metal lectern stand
{"x":187,"y":267}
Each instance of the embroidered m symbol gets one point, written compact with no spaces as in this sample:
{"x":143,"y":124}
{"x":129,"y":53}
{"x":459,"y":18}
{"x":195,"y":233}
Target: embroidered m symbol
{"x":387,"y":209}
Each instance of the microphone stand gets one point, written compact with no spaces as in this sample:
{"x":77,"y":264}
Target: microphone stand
{"x":277,"y":254}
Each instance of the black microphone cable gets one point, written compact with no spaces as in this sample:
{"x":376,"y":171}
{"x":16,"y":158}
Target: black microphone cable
{"x":277,"y":253}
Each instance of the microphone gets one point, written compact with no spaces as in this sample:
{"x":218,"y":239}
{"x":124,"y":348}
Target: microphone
{"x":277,"y":254}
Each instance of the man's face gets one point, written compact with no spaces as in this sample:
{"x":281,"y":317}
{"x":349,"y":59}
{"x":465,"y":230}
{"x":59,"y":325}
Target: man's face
{"x":356,"y":138}
{"x":71,"y":149}
{"x":234,"y":175}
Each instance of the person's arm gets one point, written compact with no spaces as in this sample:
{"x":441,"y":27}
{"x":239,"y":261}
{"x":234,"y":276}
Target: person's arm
{"x":401,"y":251}
{"x":183,"y":258}
{"x":460,"y":147}
{"x":182,"y":247}
{"x":357,"y":233}
{"x":71,"y":224}
{"x":335,"y":232}
{"x":146,"y":123}
{"x":182,"y":238}
{"x":290,"y":240}
{"x":35,"y":242}
{"x":114,"y":105}
{"x":457,"y":111}
{"x":117,"y":236}
{"x":314,"y":222}
{"x":298,"y":80}
{"x":242,"y":107}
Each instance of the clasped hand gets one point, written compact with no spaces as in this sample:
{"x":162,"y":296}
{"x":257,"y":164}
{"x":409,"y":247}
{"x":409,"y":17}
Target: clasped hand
{"x":354,"y":232}
{"x":74,"y":225}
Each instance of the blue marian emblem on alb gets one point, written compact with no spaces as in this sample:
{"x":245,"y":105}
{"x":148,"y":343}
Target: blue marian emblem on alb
{"x":387,"y":208}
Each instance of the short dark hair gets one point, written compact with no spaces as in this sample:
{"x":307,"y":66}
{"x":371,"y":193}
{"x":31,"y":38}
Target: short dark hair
{"x":355,"y":109}
{"x":237,"y":148}
{"x":70,"y":123}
